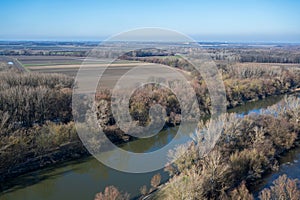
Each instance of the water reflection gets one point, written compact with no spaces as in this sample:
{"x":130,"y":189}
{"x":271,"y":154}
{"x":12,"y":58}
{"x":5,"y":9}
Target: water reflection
{"x":289,"y":165}
{"x":84,"y":178}
{"x":256,"y":106}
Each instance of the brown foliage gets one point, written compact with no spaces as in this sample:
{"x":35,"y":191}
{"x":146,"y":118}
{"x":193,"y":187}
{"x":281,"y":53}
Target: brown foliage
{"x":31,"y":98}
{"x":241,"y":193}
{"x":155,"y":181}
{"x":283,"y":188}
{"x":111,"y":193}
{"x":247,"y":149}
{"x":143,"y":190}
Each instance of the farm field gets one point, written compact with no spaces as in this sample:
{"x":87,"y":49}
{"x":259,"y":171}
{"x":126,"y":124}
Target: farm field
{"x":30,"y":61}
{"x":251,"y":84}
{"x":72,"y":69}
{"x":48,"y":60}
{"x":70,"y":66}
{"x":61,"y":64}
{"x":147,"y":100}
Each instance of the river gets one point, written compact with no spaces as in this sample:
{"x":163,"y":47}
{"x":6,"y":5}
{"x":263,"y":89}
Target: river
{"x":289,"y":165}
{"x":82,"y":179}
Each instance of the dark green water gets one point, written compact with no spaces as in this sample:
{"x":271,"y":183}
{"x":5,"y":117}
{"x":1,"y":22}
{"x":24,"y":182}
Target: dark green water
{"x":82,"y":179}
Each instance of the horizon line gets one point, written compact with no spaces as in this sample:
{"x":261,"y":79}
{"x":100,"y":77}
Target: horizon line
{"x":198,"y":41}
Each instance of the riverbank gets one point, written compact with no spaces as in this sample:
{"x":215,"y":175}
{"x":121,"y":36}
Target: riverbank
{"x":63,"y":153}
{"x":32,"y":135}
{"x":67,"y":151}
{"x":244,"y":155}
{"x":70,"y":150}
{"x":73,"y":150}
{"x":289,"y":164}
{"x":93,"y":176}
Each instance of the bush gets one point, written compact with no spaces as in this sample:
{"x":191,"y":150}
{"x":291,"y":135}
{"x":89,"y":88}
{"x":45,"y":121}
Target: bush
{"x":248,"y":164}
{"x":239,"y":193}
{"x":248,"y":148}
{"x":111,"y":193}
{"x":155,"y":181}
{"x":283,"y":188}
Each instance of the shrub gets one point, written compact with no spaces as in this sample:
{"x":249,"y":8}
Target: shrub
{"x":248,"y":164}
{"x":246,"y":150}
{"x":143,"y":190}
{"x":155,"y":181}
{"x":111,"y":193}
{"x":283,"y":188}
{"x":240,"y":193}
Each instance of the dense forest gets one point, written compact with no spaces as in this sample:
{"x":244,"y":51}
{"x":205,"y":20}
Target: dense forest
{"x":37,"y":127}
{"x":33,"y":102}
{"x":243,"y":83}
{"x":289,"y":54}
{"x":249,"y":148}
{"x":273,"y":54}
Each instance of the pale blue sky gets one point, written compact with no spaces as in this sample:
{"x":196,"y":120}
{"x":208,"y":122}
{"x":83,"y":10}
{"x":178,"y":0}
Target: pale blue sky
{"x":227,"y":20}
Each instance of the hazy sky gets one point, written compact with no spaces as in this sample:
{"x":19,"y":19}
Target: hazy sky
{"x":224,"y":20}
